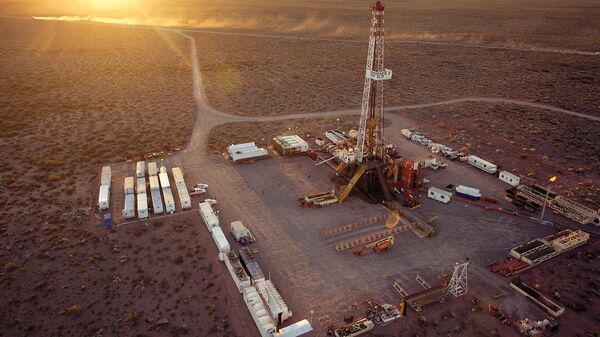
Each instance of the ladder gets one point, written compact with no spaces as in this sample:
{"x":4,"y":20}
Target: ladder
{"x":357,"y":175}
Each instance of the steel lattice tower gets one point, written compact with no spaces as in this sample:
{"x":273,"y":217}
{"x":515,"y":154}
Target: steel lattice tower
{"x":458,"y":285}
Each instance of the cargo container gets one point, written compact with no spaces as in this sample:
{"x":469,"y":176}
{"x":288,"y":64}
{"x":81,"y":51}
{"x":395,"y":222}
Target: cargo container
{"x":106,"y":176}
{"x":140,"y":171}
{"x":141,"y":185}
{"x":482,"y":164}
{"x":208,"y":215}
{"x":276,"y":307}
{"x":128,"y":186}
{"x":142,"y":205}
{"x":184,"y":195}
{"x":169,"y":200}
{"x":129,"y":207}
{"x":152,"y":169}
{"x":237,"y":272}
{"x":164,"y":180}
{"x":250,"y":264}
{"x":104,"y":197}
{"x":439,"y":195}
{"x":221,"y":241}
{"x":299,"y":329}
{"x":157,"y":203}
{"x":509,"y":178}
{"x":154,"y":184}
{"x":468,"y":192}
{"x":178,"y":175}
{"x":259,"y":313}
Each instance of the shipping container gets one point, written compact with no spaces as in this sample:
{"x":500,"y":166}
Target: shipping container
{"x":140,"y":167}
{"x":237,"y":272}
{"x":157,"y":203}
{"x":468,"y":192}
{"x":509,"y":178}
{"x":129,"y":207}
{"x":106,"y":176}
{"x":128,"y":186}
{"x":164,"y":180}
{"x":142,"y":205}
{"x":141,"y":185}
{"x":178,"y":175}
{"x":482,"y":164}
{"x":439,"y":195}
{"x":152,"y":169}
{"x":104,"y":197}
{"x":154,"y":184}
{"x":259,"y":313}
{"x":220,"y":240}
{"x":208,"y":215}
{"x":169,"y":200}
{"x":184,"y":196}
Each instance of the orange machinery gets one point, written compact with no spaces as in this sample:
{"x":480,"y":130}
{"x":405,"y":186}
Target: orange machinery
{"x":377,"y":246}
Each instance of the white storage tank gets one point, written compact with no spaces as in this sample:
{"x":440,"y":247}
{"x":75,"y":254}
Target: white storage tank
{"x":140,"y":169}
{"x":154,"y":185}
{"x":141,"y":185}
{"x":157,"y":204}
{"x":184,"y":195}
{"x":142,"y":205}
{"x":178,"y":175}
{"x":106,"y":176}
{"x":439,"y":195}
{"x":509,"y":178}
{"x":152,"y":169}
{"x":481,"y":164}
{"x":129,"y":207}
{"x":164,"y":179}
{"x":221,"y":242}
{"x":128,"y":185}
{"x":208,"y":215}
{"x":169,"y":200}
{"x":104,"y":197}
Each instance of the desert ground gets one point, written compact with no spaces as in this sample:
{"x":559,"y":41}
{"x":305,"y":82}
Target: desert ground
{"x":77,"y":96}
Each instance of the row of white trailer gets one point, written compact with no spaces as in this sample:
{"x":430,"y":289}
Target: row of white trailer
{"x":461,"y":190}
{"x":262,"y":299}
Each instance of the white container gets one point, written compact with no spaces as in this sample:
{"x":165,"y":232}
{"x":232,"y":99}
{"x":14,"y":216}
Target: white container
{"x":178,"y":175}
{"x":220,"y":240}
{"x":169,"y":200}
{"x":106,"y":176}
{"x":466,"y":191}
{"x":104,"y":197}
{"x":273,"y":300}
{"x":154,"y":184}
{"x":259,"y":313}
{"x":164,"y":180}
{"x":481,"y":164}
{"x":142,"y":205}
{"x":509,"y":178}
{"x":141,"y":185}
{"x":129,"y":207}
{"x":439,"y":195}
{"x":208,"y":215}
{"x":184,"y":196}
{"x":157,"y":204}
{"x":152,"y":169}
{"x":140,"y":167}
{"x":128,"y":185}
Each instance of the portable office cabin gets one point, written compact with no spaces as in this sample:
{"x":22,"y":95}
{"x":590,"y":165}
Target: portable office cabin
{"x":178,"y":175}
{"x":104,"y":197}
{"x":439,"y":195}
{"x":129,"y":207}
{"x":169,"y":200}
{"x":142,"y":205}
{"x":482,"y":164}
{"x":220,"y":241}
{"x":141,"y":185}
{"x":140,"y":169}
{"x":106,"y":176}
{"x":184,"y":196}
{"x":128,"y":185}
{"x":164,"y":180}
{"x":157,"y":203}
{"x":154,"y":184}
{"x":152,"y":169}
{"x":208,"y":215}
{"x":509,"y":178}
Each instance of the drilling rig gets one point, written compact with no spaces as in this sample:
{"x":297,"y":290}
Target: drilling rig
{"x":367,"y":164}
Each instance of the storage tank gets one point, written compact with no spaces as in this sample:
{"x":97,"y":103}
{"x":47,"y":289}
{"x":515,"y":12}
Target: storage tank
{"x":152,"y":169}
{"x":169,"y":200}
{"x":208,"y":215}
{"x":129,"y":207}
{"x":128,"y":185}
{"x":154,"y":185}
{"x":140,"y":169}
{"x":164,"y":179}
{"x":157,"y":204}
{"x":178,"y":175}
{"x":106,"y":176}
{"x":141,"y":185}
{"x":184,"y":196}
{"x":142,"y":204}
{"x":104,"y":197}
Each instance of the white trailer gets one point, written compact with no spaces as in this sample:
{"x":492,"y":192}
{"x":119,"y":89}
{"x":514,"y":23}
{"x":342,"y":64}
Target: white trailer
{"x":178,"y":175}
{"x":129,"y":207}
{"x":211,"y":220}
{"x":259,"y":312}
{"x":184,"y":196}
{"x":509,"y":178}
{"x":104,"y":197}
{"x":140,"y":169}
{"x":221,"y":242}
{"x":141,"y":185}
{"x":106,"y":176}
{"x":164,"y":180}
{"x":482,"y":164}
{"x":152,"y":169}
{"x":154,"y":184}
{"x":439,"y":195}
{"x":169,"y":200}
{"x":142,"y":205}
{"x":157,"y":203}
{"x":128,"y":185}
{"x":468,"y":192}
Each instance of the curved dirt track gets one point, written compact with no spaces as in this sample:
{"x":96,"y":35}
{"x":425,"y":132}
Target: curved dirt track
{"x":209,"y":117}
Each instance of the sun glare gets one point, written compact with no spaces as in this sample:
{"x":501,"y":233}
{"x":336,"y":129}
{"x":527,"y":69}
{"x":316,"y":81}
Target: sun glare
{"x":109,"y":4}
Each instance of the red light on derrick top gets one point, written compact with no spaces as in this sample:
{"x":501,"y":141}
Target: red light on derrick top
{"x":378,"y":6}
